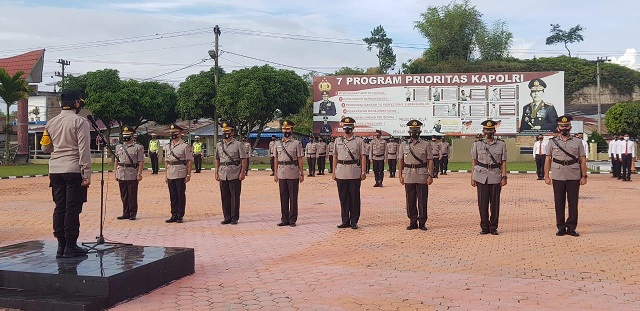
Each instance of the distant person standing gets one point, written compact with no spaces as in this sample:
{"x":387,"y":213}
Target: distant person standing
{"x":321,"y":148}
{"x":67,"y":137}
{"x":567,"y":158}
{"x":178,"y":162}
{"x":129,"y":164}
{"x":628,"y":155}
{"x":378,"y":154}
{"x":231,"y":164}
{"x":272,"y":154}
{"x":349,"y":172}
{"x":330,"y":148}
{"x":585,"y":144}
{"x":154,"y":146}
{"x":444,"y":156}
{"x":613,"y":155}
{"x":367,"y":150}
{"x":247,"y":148}
{"x":289,"y":174}
{"x":540,"y":155}
{"x":198,"y":153}
{"x":435,"y":152}
{"x":392,"y":156}
{"x":311,"y":152}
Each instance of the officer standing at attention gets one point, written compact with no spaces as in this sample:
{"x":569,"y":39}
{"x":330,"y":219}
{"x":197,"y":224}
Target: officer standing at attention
{"x":348,"y":172}
{"x":289,"y":174}
{"x":247,"y":148}
{"x":311,"y":153}
{"x":154,"y":145}
{"x":489,"y":176}
{"x":321,"y":148}
{"x":444,"y":155}
{"x":627,"y":150}
{"x":416,"y":167}
{"x":367,"y":150}
{"x":392,"y":156}
{"x":378,"y":154}
{"x":435,"y":151}
{"x":330,"y":148}
{"x":128,"y":166}
{"x":613,"y":147}
{"x":68,"y":139}
{"x":178,"y":161}
{"x":569,"y":162}
{"x":272,"y":154}
{"x":540,"y":155}
{"x":197,"y":154}
{"x":231,"y":165}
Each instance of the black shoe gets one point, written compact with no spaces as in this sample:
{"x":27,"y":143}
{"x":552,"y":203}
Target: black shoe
{"x":443,"y":174}
{"x":132,"y":218}
{"x":122,"y":217}
{"x":74,"y":251}
{"x":412,"y":227}
{"x":282,"y":224}
{"x":376,"y":185}
{"x":354,"y":226}
{"x":271,"y":174}
{"x":62,"y":244}
{"x":341,"y":226}
{"x":293,"y":224}
{"x":234,"y":222}
{"x":494,"y":232}
{"x":179,"y":220}
{"x":484,"y":231}
{"x":172,"y":219}
{"x":380,"y":185}
{"x":225,"y":222}
{"x":573,"y":233}
{"x":561,"y":232}
{"x":423,"y":227}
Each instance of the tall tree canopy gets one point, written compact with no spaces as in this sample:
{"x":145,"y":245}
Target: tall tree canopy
{"x":624,"y":118}
{"x":196,"y":95}
{"x":379,"y":39}
{"x":558,"y":35}
{"x":494,"y":42}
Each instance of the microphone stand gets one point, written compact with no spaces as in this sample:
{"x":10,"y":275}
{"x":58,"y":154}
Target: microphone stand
{"x":100,"y":239}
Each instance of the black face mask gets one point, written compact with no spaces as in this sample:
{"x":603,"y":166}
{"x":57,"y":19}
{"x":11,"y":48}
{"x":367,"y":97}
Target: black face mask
{"x":226,"y":135}
{"x":540,"y":138}
{"x":348,"y":130}
{"x":565,"y":132}
{"x":174,"y":136}
{"x":415,"y":134}
{"x":490,"y":135}
{"x":286,"y":134}
{"x":126,"y":138}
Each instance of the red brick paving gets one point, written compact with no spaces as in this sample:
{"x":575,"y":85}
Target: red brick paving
{"x":382,"y":266}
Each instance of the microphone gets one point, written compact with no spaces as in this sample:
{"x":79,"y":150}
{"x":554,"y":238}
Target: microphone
{"x":92,"y":121}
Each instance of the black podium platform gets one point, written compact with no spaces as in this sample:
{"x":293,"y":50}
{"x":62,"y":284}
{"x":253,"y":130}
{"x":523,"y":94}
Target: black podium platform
{"x":31,"y":278}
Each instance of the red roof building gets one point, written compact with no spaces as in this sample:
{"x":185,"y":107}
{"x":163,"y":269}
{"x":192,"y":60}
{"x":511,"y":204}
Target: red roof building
{"x":30,"y":63}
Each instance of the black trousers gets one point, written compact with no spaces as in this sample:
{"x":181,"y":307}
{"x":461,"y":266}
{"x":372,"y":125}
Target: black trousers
{"x":154,"y":162}
{"x":378,"y":170}
{"x":197,"y":161}
{"x":68,"y":195}
{"x":321,"y":163}
{"x":540,"y":158}
{"x":368,"y":167}
{"x":331,"y":163}
{"x":246,"y":171}
{"x":178,"y":197}
{"x":311,"y":162}
{"x":230,"y":195}
{"x":417,"y":195}
{"x":614,"y":164}
{"x":436,"y":165}
{"x":289,"y":200}
{"x":271,"y":162}
{"x":618,"y":167}
{"x":393,"y":164}
{"x":349,"y":193}
{"x":444,"y":164}
{"x":489,"y":205}
{"x":129,"y":197}
{"x":566,"y":191}
{"x":626,"y":166}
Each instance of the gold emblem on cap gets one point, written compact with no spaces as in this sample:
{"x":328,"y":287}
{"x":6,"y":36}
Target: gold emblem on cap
{"x":415,"y":122}
{"x":173,"y":126}
{"x":324,"y":85}
{"x":564,"y":119}
{"x":489,"y":123}
{"x":536,"y":83}
{"x":285,"y":123}
{"x":126,"y":128}
{"x":224,"y":124}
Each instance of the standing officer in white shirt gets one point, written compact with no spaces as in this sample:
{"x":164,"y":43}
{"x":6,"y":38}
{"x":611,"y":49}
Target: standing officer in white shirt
{"x":627,"y":150}
{"x":613,"y":144}
{"x":540,"y":154}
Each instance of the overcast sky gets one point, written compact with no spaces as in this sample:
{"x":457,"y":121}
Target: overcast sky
{"x":151,"y":39}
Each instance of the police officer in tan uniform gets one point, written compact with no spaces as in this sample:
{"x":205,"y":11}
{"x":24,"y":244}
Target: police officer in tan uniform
{"x":330,"y":148}
{"x":289,"y":174}
{"x":67,"y":137}
{"x":311,"y":152}
{"x":349,"y":156}
{"x":489,"y":176}
{"x":378,"y":155}
{"x":416,"y":167}
{"x":178,"y":160}
{"x":231,"y":165}
{"x":272,"y":154}
{"x":568,"y":160}
{"x":321,"y":148}
{"x":367,"y":150}
{"x":128,"y":166}
{"x":247,"y":148}
{"x":392,"y":156}
{"x":444,"y":156}
{"x":435,"y":151}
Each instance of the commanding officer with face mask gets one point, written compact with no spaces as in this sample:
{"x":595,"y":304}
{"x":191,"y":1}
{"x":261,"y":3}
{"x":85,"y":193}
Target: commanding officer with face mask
{"x":378,"y":154}
{"x":392,"y":156}
{"x":197,"y":154}
{"x":289,"y":174}
{"x":569,"y":162}
{"x":128,"y":166}
{"x":489,"y":176}
{"x":231,"y":164}
{"x":67,"y":137}
{"x":178,"y":159}
{"x":416,"y":166}
{"x":348,"y":171}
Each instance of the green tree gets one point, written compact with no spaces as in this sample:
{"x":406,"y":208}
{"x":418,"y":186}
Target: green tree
{"x":558,"y":35}
{"x":304,"y":118}
{"x":255,"y":96}
{"x":386,"y":57}
{"x":35,"y":111}
{"x":494,"y":43}
{"x":348,"y":71}
{"x":624,"y":118}
{"x":12,"y":89}
{"x":196,"y":95}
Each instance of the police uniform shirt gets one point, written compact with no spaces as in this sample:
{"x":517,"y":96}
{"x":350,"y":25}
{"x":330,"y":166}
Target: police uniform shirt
{"x":330,"y":147}
{"x":378,"y":149}
{"x":294,"y":148}
{"x":367,"y":149}
{"x":565,"y":172}
{"x":247,"y":149}
{"x":272,"y":146}
{"x":392,"y":150}
{"x":435,"y":149}
{"x":181,"y":152}
{"x":312,"y":150}
{"x":444,"y":148}
{"x":498,"y":149}
{"x":422,"y":150}
{"x":70,"y":144}
{"x":342,"y":146}
{"x":233,"y":151}
{"x":321,"y":148}
{"x":137,"y":155}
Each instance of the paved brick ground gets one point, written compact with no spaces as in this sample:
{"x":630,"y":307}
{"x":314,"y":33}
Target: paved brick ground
{"x":382,"y":266}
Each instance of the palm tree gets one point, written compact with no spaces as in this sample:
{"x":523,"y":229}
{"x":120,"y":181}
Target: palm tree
{"x":12,"y":89}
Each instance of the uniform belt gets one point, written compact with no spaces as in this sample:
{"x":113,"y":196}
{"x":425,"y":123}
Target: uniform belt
{"x":444,"y":154}
{"x":322,"y":154}
{"x":565,"y":162}
{"x":378,"y":155}
{"x":311,"y":153}
{"x":348,"y":162}
{"x":436,"y":154}
{"x":489,"y":166}
{"x":288,"y":162}
{"x":416,"y":165}
{"x":391,"y":153}
{"x":230,"y":163}
{"x":134,"y":165}
{"x":177,"y":162}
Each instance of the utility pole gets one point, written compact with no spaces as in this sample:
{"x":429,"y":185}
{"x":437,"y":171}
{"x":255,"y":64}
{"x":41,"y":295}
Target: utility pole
{"x":598,"y":61}
{"x":216,"y":31}
{"x":63,"y":63}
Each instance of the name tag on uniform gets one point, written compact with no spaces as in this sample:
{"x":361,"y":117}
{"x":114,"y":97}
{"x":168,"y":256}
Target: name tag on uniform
{"x":279,"y":148}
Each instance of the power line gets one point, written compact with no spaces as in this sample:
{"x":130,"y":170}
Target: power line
{"x":271,"y":62}
{"x":172,"y":71}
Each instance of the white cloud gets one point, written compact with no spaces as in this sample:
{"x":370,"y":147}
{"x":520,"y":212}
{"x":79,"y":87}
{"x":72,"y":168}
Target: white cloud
{"x":628,"y":59}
